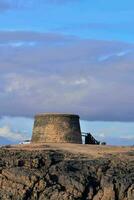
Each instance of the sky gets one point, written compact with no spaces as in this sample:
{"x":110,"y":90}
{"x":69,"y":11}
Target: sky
{"x":67,"y":56}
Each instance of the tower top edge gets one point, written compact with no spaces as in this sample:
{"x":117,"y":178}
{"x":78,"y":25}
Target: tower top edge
{"x":57,"y":114}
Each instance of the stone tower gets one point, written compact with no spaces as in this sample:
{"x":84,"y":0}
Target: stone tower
{"x":58,"y":128}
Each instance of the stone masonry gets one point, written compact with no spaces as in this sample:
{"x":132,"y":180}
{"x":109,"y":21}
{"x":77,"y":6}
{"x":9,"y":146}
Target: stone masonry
{"x":58,"y":128}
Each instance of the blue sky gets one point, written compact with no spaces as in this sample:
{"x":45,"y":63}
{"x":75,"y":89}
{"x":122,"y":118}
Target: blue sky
{"x":67,"y":56}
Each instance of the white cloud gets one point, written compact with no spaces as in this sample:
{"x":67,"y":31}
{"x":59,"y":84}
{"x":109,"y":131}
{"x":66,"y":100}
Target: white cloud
{"x":18,"y":44}
{"x":128,"y":137}
{"x":102,"y":135}
{"x":115,"y":55}
{"x":66,"y":78}
{"x":80,"y":81}
{"x":7,"y":133}
{"x":18,"y":83}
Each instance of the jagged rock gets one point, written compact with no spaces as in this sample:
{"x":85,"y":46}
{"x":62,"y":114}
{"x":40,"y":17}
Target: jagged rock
{"x":48,"y":174}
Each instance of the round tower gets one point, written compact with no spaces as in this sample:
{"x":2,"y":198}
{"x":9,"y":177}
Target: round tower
{"x":58,"y":128}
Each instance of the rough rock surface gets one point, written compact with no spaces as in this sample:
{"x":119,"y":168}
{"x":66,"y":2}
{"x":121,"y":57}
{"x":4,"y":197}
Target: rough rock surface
{"x":57,"y":174}
{"x":55,"y":127}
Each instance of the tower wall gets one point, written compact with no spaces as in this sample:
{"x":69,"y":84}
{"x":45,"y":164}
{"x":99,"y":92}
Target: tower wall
{"x":58,"y":128}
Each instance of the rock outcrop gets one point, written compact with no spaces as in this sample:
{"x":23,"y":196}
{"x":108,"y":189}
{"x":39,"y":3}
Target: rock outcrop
{"x":89,"y":139}
{"x":56,"y":174}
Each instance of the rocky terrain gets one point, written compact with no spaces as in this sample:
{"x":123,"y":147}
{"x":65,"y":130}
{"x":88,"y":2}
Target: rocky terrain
{"x":66,"y":172}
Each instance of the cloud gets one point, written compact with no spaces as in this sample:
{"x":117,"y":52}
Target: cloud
{"x":101,"y":135}
{"x":128,"y":137}
{"x":15,"y":129}
{"x":118,"y":54}
{"x":24,"y":38}
{"x":6,"y":132}
{"x":65,"y":74}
